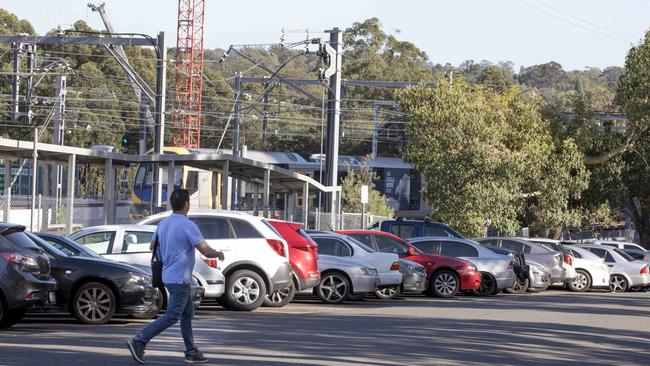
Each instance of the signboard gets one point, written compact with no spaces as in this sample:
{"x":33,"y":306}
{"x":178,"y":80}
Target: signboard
{"x":364,"y":194}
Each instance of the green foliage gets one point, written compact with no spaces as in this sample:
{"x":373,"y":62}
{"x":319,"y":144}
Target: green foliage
{"x":488,"y":159}
{"x":351,"y":193}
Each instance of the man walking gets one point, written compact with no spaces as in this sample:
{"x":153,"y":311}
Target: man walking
{"x":177,"y":238}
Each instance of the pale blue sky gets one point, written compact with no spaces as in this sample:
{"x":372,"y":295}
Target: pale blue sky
{"x":523,"y":31}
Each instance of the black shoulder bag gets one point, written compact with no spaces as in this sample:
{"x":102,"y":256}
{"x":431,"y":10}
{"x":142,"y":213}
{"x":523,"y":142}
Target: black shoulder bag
{"x":156,"y":267}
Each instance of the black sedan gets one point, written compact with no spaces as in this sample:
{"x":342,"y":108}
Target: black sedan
{"x":25,"y":278}
{"x":72,"y":249}
{"x":94,"y":290}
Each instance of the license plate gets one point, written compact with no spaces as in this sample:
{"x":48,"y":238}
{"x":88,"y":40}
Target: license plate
{"x":51,"y":297}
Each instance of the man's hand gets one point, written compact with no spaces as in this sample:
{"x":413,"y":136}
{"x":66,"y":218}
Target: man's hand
{"x":207,"y":251}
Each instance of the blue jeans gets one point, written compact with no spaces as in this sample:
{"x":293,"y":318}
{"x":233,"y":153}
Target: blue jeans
{"x":179,"y":307}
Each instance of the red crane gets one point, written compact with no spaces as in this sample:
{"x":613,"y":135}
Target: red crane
{"x":186,"y":111}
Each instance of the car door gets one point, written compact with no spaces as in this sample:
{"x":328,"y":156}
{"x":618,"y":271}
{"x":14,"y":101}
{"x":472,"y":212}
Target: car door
{"x":100,"y":242}
{"x":132,"y":246}
{"x":217,"y":232}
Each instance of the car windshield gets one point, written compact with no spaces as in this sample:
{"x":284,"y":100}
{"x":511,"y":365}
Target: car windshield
{"x":360,"y":244}
{"x":624,"y":255}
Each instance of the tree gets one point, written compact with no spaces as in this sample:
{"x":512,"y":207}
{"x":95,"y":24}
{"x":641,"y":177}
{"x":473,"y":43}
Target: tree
{"x":351,"y":193}
{"x":489,"y":159}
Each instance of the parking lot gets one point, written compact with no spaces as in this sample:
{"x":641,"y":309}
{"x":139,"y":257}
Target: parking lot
{"x":550,"y":328}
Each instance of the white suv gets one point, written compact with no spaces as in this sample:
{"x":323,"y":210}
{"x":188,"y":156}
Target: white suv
{"x":256,"y":258}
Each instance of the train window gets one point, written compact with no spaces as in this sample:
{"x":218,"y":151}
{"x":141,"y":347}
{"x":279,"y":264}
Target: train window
{"x":139,"y":176}
{"x":148,"y":179}
{"x":178,"y":175}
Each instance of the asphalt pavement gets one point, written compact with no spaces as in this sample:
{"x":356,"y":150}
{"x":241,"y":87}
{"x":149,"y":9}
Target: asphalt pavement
{"x":550,"y":328}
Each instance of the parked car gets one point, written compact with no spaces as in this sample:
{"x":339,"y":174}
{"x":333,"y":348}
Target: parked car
{"x":560,"y":264}
{"x":639,"y":255}
{"x":462,"y":272}
{"x":94,"y":290}
{"x":539,"y":276}
{"x":256,"y":257}
{"x":25,"y":275}
{"x":591,"y":272}
{"x":344,"y":276}
{"x":406,"y":228}
{"x":522,"y":270}
{"x":73,"y":249}
{"x":130,"y":244}
{"x":619,"y":244}
{"x":414,"y":280}
{"x":387,"y":264}
{"x":497,"y":271}
{"x":625,"y":272}
{"x":303,"y":256}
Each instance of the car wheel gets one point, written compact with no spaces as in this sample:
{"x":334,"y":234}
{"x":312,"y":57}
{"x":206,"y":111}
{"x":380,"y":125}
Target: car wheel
{"x":618,"y":283}
{"x":10,"y":317}
{"x":445,"y":284}
{"x":281,"y":297}
{"x":160,"y":302}
{"x":581,"y":282}
{"x":94,"y":303}
{"x":334,"y":288}
{"x":488,"y":285}
{"x":245,"y":291}
{"x":519,"y":287}
{"x":388,"y":292}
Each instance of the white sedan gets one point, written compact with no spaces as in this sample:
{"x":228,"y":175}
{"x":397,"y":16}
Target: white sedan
{"x":591,"y":272}
{"x":626,"y":273}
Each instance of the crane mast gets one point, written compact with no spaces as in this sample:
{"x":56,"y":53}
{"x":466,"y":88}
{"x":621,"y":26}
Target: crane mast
{"x":186,"y":102}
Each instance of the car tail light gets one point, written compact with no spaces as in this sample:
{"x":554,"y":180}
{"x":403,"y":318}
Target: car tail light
{"x":644,"y":270}
{"x":277,"y":246}
{"x":211,"y":262}
{"x":394,"y":266}
{"x":568,"y":259}
{"x":22,"y":261}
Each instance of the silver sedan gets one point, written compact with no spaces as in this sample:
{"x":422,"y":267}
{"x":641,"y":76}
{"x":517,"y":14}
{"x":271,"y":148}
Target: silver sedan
{"x":341,"y":277}
{"x":414,"y":280}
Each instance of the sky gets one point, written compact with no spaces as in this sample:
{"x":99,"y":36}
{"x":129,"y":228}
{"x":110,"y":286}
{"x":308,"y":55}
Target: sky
{"x":575,"y":33}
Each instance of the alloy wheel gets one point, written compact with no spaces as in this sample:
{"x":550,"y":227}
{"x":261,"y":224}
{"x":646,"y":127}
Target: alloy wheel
{"x":445,"y":284}
{"x":388,"y":291}
{"x":333,"y":288}
{"x":519,"y":286}
{"x":580,"y":281}
{"x":245,"y":290}
{"x":94,"y":304}
{"x":280,"y":295}
{"x":617,"y":283}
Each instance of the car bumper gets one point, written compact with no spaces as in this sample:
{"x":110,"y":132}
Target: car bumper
{"x":414,"y":282}
{"x":388,"y":279}
{"x":307,"y":283}
{"x":505,"y":282}
{"x":639,"y":280}
{"x":281,"y":278}
{"x":540,"y":280}
{"x":138,"y":299}
{"x":558,"y":275}
{"x":213,"y":291}
{"x":470,"y":280}
{"x":364,"y":283}
{"x":27,"y":292}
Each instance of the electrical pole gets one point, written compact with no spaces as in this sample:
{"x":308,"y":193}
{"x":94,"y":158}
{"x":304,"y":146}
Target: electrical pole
{"x":58,"y":138}
{"x":31,"y":61}
{"x":34,"y":177}
{"x":145,"y":115}
{"x":333,"y":126}
{"x":15,"y":80}
{"x":236,"y":138}
{"x":159,"y":138}
{"x":265,"y":116}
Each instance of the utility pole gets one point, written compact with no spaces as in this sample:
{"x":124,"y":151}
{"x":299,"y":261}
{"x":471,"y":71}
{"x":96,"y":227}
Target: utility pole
{"x":159,"y":138}
{"x":15,"y":80}
{"x":58,"y":138}
{"x":34,"y":177}
{"x":31,"y":61}
{"x":265,"y":116}
{"x":145,"y":115}
{"x":236,"y":138}
{"x":333,"y":126}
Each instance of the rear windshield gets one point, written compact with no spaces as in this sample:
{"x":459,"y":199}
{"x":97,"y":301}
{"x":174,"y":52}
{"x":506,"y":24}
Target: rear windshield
{"x":21,"y":240}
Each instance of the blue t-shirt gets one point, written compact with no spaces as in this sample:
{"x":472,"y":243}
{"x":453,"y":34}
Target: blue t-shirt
{"x":177,"y":237}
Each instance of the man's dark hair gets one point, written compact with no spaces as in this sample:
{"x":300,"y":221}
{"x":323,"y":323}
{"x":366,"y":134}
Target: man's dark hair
{"x":178,"y":198}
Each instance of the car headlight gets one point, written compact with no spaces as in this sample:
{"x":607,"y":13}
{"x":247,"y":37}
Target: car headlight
{"x":368,"y":271}
{"x":139,"y":279}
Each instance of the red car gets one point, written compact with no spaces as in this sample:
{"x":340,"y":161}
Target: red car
{"x":447,"y":275}
{"x":303,"y":257}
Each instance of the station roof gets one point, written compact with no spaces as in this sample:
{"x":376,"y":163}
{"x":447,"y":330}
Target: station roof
{"x":248,"y":169}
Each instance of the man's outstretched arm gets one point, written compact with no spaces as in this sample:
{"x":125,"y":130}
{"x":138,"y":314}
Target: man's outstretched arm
{"x":207,"y":251}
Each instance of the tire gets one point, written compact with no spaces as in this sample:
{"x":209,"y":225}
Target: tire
{"x":245,"y":290}
{"x":160,"y":302}
{"x":94,"y":303}
{"x":519,"y":287}
{"x":281,"y":297}
{"x":444,"y":284}
{"x":581,"y":282}
{"x":488,"y":285}
{"x":388,"y":292}
{"x":334,"y":288}
{"x":618,"y":283}
{"x":11,"y":317}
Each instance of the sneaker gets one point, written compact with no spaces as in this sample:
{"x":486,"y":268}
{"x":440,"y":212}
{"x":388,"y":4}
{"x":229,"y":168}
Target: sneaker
{"x":196,"y":358}
{"x":137,"y":351}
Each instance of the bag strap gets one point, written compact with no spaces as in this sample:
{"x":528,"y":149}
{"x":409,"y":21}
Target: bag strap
{"x":154,"y":253}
